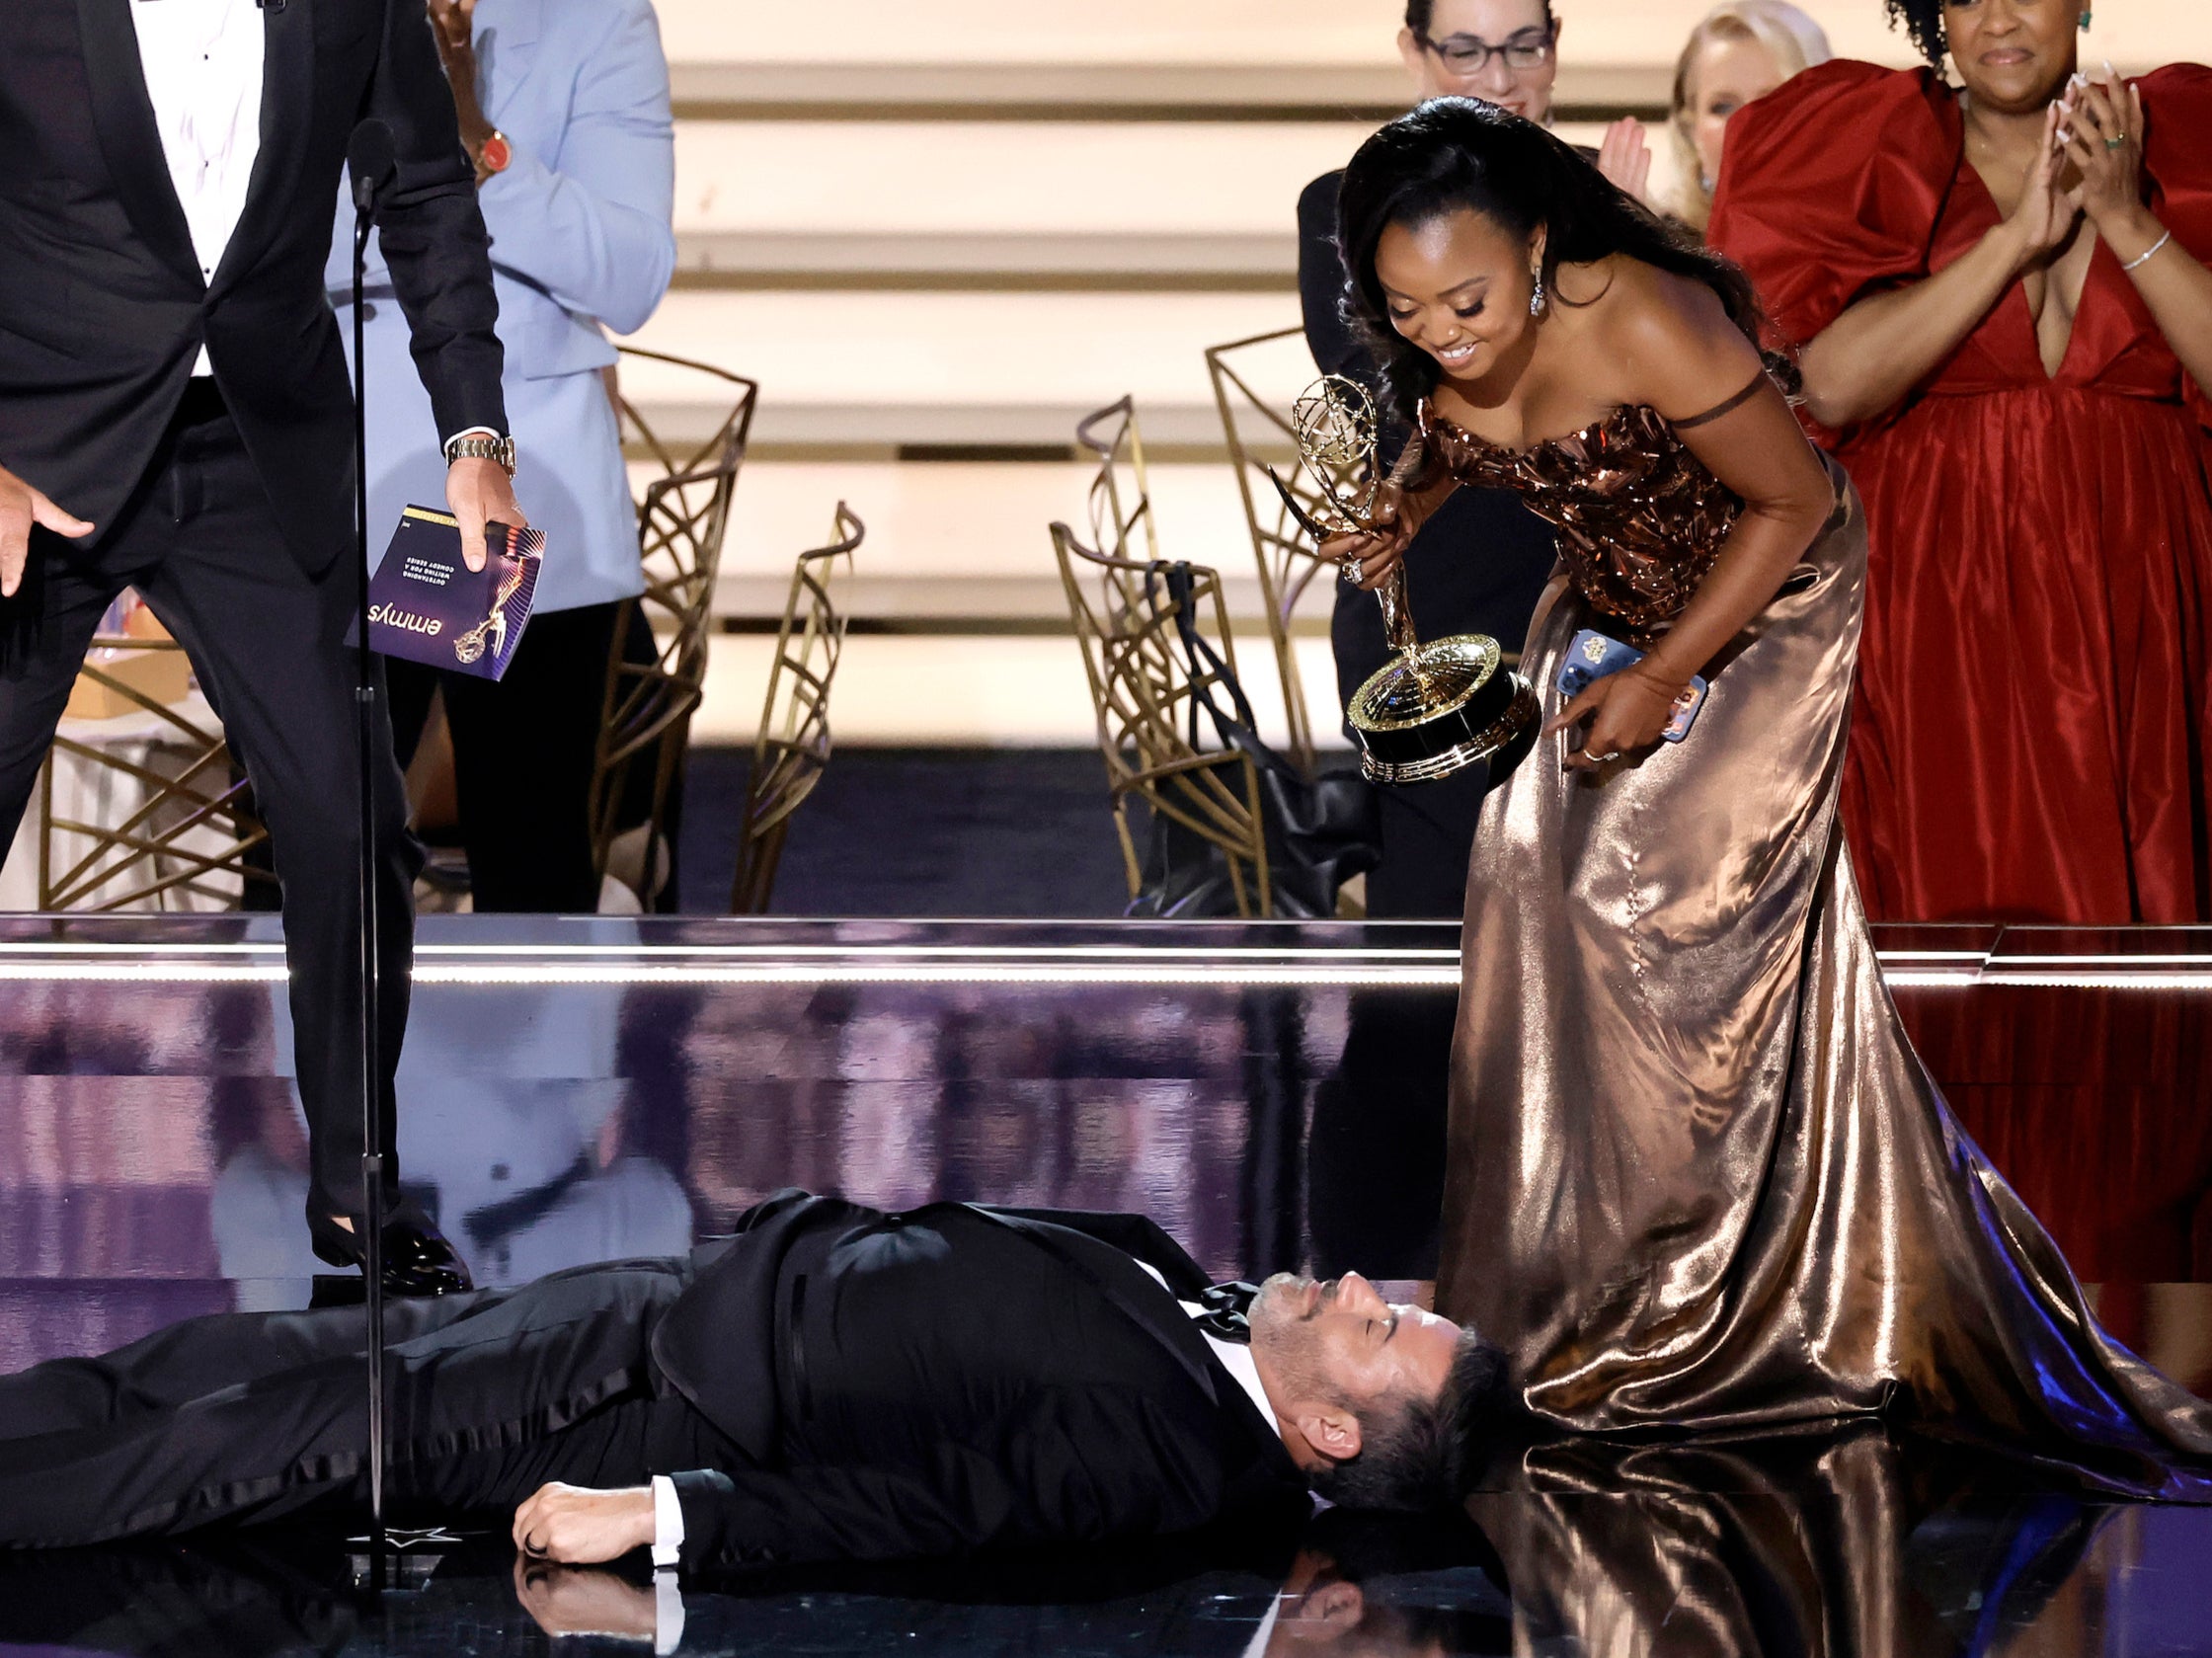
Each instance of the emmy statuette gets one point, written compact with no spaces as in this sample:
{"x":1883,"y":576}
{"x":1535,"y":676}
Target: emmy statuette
{"x":1434,"y":708}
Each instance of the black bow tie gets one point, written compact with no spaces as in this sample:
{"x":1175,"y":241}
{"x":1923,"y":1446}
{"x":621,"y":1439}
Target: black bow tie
{"x":1228,"y":1314}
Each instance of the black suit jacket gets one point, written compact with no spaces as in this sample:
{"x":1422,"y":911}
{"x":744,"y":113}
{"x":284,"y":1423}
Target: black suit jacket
{"x":103,"y":305}
{"x":955,"y":1379}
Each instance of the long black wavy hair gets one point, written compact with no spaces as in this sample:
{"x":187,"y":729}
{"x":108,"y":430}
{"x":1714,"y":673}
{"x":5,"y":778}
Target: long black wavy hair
{"x":1924,"y":22}
{"x":1462,"y":152}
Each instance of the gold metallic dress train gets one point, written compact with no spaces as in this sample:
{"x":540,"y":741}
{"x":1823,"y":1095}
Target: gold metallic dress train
{"x":1698,"y":1177}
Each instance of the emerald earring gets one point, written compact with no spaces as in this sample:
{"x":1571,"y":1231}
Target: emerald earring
{"x":2089,"y":16}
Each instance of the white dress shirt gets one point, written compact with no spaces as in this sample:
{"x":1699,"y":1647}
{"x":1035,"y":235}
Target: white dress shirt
{"x":202,"y":63}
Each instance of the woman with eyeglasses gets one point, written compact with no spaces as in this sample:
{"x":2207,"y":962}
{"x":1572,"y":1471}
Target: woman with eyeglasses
{"x":1478,"y":566}
{"x":2001,"y":291}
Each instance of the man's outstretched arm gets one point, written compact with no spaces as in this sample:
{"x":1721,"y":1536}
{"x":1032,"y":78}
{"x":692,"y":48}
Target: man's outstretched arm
{"x":1084,"y":1467}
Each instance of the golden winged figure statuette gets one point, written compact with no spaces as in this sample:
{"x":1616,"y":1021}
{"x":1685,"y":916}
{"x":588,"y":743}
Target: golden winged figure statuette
{"x":469,"y":646}
{"x":1339,"y":440}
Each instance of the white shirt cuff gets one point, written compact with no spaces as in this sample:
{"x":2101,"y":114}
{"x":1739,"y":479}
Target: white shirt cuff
{"x":667,"y":1523}
{"x":465,"y":431}
{"x":668,"y":1613}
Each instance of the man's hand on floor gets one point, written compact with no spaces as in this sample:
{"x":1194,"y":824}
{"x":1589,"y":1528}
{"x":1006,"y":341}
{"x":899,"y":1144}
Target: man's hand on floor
{"x":580,"y":1527}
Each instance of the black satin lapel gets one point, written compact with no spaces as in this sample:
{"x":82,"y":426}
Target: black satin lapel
{"x":123,"y":116}
{"x":287,"y":97}
{"x":1133,"y":1235}
{"x":1156,"y":1314}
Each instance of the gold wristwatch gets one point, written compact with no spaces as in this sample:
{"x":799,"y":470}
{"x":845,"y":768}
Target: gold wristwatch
{"x":478,"y":447}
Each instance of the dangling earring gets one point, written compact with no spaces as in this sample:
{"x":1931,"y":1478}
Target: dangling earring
{"x":1536,"y":300}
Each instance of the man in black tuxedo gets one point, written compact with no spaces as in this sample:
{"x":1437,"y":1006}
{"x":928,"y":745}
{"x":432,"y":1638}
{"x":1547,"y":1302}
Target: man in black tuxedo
{"x":831,"y":1382}
{"x":175,"y":417}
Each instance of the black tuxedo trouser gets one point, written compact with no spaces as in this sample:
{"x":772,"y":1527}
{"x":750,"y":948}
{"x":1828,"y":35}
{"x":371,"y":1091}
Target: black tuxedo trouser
{"x":525,"y":747}
{"x":250,"y":1418}
{"x":198,"y":541}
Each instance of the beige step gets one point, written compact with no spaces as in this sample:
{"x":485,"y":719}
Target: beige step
{"x":1248,"y":56}
{"x":970,"y":691}
{"x":886,"y":371}
{"x":967,"y":543}
{"x":1202,"y":205}
{"x":1194,"y":179}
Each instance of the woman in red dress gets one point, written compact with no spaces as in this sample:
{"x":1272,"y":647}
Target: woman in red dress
{"x":2007,"y":332}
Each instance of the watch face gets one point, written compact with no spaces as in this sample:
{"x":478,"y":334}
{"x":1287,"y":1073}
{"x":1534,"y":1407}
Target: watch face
{"x":496,"y":153}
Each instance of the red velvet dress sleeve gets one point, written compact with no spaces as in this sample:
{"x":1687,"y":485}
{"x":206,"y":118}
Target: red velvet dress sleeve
{"x":1831,"y":187}
{"x":2178,"y":157}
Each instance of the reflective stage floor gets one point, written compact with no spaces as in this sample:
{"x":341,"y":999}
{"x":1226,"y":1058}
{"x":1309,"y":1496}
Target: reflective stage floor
{"x":1272,"y":1094}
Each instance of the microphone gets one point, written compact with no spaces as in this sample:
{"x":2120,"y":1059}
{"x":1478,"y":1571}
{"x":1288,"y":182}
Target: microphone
{"x":371,"y":158}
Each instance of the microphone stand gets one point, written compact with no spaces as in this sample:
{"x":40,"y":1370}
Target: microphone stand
{"x":364,"y":733}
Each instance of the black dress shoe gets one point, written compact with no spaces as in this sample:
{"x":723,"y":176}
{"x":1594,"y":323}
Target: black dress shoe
{"x":418,"y":1261}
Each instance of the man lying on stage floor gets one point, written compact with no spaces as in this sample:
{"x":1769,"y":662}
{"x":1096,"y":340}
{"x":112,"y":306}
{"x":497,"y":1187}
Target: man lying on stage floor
{"x":831,"y":1382}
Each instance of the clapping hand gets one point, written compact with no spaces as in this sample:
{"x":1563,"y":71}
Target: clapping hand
{"x":1627,"y":711}
{"x":2045,"y":217}
{"x":453,"y":26}
{"x":1624,"y":158}
{"x":2101,"y":133}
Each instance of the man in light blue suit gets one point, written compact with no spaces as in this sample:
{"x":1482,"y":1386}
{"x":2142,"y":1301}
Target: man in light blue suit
{"x":564,"y":107}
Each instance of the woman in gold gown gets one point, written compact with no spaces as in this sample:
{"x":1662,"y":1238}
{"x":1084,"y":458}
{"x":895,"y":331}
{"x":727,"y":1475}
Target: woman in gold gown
{"x":1696,"y":1177}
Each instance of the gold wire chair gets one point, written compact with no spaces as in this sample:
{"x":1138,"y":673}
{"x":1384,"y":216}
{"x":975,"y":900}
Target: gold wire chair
{"x":1260,"y":437}
{"x":793,"y":747}
{"x":189,"y":837}
{"x":1120,"y":494}
{"x":1140,"y":684}
{"x":646,"y":716}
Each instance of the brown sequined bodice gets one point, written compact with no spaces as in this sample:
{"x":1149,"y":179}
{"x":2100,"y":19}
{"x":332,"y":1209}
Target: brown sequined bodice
{"x":1640,"y":519}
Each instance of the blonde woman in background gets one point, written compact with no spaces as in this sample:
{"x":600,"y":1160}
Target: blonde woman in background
{"x":1741,"y":51}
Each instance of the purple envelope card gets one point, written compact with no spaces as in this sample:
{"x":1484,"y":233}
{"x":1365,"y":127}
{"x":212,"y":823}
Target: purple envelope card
{"x":425,"y":605}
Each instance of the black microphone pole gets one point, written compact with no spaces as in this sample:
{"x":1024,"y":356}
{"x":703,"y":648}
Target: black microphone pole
{"x":371,"y":162}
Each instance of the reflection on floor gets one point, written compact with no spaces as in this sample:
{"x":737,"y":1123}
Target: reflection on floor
{"x":1839,"y":1544}
{"x":576,"y":1091}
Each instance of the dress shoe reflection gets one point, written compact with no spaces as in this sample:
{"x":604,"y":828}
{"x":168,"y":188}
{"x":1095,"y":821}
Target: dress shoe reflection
{"x":586,"y":1601}
{"x":1375,"y":1158}
{"x":1831,"y":1545}
{"x":527,"y":1144}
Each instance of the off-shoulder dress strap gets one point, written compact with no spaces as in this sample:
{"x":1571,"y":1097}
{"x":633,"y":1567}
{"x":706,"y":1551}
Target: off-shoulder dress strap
{"x":1727,"y":407}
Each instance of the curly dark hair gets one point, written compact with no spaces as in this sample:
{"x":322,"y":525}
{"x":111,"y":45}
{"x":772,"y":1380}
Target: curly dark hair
{"x":1463,"y":152}
{"x":1924,"y":22}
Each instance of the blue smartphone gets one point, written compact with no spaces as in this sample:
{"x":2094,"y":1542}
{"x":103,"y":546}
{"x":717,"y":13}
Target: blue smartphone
{"x":1592,"y":656}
